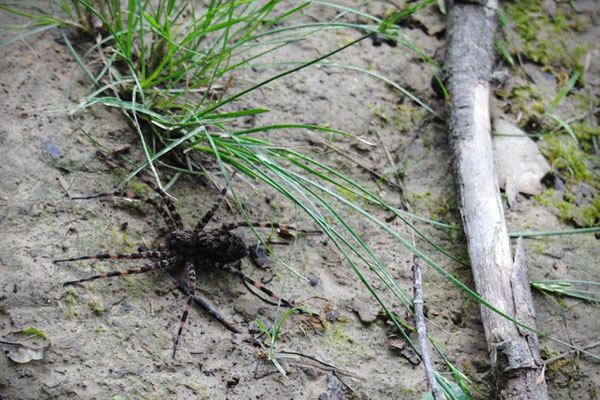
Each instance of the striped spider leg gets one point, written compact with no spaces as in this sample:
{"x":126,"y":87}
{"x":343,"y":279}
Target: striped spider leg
{"x":188,"y":249}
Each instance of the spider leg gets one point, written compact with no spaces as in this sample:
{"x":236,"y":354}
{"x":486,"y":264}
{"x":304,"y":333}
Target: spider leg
{"x":191,"y":284}
{"x":257,"y":295}
{"x":115,"y":256}
{"x":209,"y":308}
{"x":168,"y":263}
{"x":258,"y":256}
{"x":208,"y":216}
{"x":262,"y":288}
{"x":171,"y":222}
{"x":285,"y":229}
{"x":165,"y":197}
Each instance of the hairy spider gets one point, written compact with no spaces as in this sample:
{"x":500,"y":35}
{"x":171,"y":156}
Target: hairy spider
{"x":190,"y":249}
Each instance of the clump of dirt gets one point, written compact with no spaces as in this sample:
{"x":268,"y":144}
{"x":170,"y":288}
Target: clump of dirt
{"x":114,"y":337}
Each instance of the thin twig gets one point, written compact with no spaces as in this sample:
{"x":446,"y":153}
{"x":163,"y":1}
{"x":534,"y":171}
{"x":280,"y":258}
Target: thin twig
{"x":401,"y":191}
{"x":11,"y":343}
{"x":422,"y":330}
{"x":568,"y":353}
{"x":322,"y":365}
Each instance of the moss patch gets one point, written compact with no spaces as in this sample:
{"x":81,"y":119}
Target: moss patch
{"x":542,"y":36}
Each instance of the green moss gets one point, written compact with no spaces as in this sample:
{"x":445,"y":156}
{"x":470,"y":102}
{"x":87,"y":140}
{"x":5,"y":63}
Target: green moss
{"x":565,"y":211}
{"x":196,"y":386}
{"x":340,"y":339}
{"x":71,"y":291}
{"x":525,"y":100}
{"x":122,"y":237}
{"x":140,"y":188}
{"x":143,"y":394}
{"x":574,"y":162}
{"x":408,"y":112}
{"x":381,"y":115}
{"x":568,"y":160}
{"x":558,"y":365}
{"x":96,"y":306}
{"x":569,"y":209}
{"x":545,"y":198}
{"x":543,"y":36}
{"x":445,"y":209}
{"x":126,"y":240}
{"x":70,"y":302}
{"x":71,"y":296}
{"x":350,"y":196}
{"x":71,"y":165}
{"x":537,"y":247}
{"x":586,"y":134}
{"x":591,"y":213}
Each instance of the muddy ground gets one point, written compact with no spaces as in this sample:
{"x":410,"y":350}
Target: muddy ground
{"x":113,"y":338}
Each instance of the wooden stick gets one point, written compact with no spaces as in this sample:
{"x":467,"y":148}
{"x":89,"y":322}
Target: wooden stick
{"x":422,"y":329}
{"x":514,"y":352}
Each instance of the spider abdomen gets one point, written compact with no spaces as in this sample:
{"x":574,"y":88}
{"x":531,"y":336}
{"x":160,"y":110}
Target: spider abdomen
{"x":219,"y":245}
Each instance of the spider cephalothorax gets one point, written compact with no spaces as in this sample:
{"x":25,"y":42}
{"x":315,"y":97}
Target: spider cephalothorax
{"x":189,"y":249}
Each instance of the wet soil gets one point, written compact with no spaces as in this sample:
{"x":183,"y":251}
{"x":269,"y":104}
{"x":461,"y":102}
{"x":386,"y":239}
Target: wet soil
{"x":114,"y":338}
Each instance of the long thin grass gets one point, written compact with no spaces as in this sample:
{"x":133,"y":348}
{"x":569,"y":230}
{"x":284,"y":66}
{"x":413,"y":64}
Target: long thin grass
{"x":168,"y":69}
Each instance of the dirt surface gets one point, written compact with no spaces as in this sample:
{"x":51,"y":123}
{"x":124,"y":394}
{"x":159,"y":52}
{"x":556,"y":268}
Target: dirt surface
{"x":114,"y":337}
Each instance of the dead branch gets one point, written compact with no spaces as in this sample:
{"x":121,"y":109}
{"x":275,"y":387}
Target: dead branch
{"x":513,"y":351}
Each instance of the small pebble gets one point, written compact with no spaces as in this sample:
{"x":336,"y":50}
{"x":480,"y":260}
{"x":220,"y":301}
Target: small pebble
{"x":52,"y":383}
{"x":125,"y":304}
{"x":332,"y":315}
{"x":52,"y":150}
{"x":366,"y":312}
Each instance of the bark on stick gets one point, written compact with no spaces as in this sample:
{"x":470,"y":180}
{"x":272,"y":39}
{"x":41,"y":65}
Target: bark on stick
{"x":499,"y":279}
